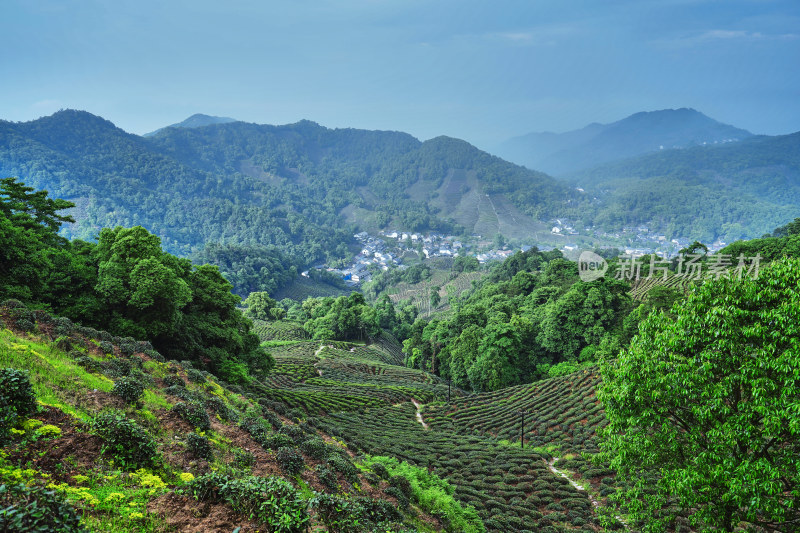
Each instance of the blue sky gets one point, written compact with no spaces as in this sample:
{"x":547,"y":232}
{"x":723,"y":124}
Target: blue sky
{"x":478,"y":70}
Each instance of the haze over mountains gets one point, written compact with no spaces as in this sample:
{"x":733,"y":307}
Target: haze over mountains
{"x":195,"y":121}
{"x":640,"y":133}
{"x":307,"y":188}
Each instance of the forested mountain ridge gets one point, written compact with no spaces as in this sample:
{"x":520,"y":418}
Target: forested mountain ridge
{"x":729,"y":192}
{"x":637,"y":134}
{"x":302,"y":187}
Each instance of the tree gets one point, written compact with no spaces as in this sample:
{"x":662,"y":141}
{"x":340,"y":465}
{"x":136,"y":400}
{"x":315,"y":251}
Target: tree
{"x":142,"y":287}
{"x":260,"y":305}
{"x":704,"y":407}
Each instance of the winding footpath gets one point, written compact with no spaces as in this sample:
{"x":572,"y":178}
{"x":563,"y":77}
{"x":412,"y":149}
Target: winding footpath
{"x":552,"y":466}
{"x":419,"y":413}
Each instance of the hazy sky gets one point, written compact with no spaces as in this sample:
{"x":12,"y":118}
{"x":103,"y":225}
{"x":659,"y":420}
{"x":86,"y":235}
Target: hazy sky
{"x":478,"y":70}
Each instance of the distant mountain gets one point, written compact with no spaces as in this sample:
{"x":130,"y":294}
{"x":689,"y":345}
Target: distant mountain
{"x":724,"y":191}
{"x":197,"y":120}
{"x":301,"y":187}
{"x":641,"y":133}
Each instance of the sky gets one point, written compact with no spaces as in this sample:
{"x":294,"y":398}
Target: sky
{"x":482,"y":71}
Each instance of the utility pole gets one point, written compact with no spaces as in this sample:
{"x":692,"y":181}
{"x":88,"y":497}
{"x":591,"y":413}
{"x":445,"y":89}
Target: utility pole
{"x":522,"y":428}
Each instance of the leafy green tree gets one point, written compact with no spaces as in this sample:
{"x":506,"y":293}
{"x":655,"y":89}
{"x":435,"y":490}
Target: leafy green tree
{"x":29,"y":223}
{"x":142,"y":287}
{"x":213,"y":331}
{"x":704,"y":407}
{"x":260,"y":305}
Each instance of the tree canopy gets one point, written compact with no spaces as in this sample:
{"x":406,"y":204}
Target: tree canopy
{"x":704,"y":407}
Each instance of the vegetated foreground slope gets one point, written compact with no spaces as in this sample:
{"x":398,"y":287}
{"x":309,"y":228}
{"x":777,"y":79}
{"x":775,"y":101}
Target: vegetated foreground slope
{"x":138,"y":444}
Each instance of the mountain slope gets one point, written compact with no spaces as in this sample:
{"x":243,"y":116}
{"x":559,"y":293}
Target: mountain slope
{"x":637,"y":134}
{"x":302,"y":187}
{"x":731,"y":191}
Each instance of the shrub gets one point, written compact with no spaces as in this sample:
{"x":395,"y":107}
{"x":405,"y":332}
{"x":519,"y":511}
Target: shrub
{"x":380,"y":470}
{"x":125,"y":440}
{"x":271,"y":501}
{"x":118,"y":368}
{"x":402,"y":484}
{"x":338,"y":514}
{"x":195,"y":376}
{"x":63,"y":326}
{"x":181,"y":392}
{"x":26,"y":325}
{"x":12,"y":303}
{"x":127,"y":349}
{"x":290,"y":460}
{"x":272,"y":418}
{"x":315,"y":448}
{"x":327,"y":477}
{"x":194,"y":413}
{"x":275,"y":441}
{"x":36,"y":510}
{"x":129,"y":389}
{"x":17,"y":399}
{"x":154,"y":355}
{"x":199,"y":446}
{"x":243,"y":458}
{"x":64,"y":343}
{"x":89,"y":364}
{"x":174,"y":380}
{"x":294,"y":432}
{"x":143,"y":346}
{"x":378,"y":511}
{"x":345,"y":467}
{"x":218,"y":406}
{"x":106,"y":347}
{"x":16,"y":392}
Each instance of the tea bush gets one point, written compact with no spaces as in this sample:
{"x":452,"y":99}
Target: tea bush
{"x":271,"y":501}
{"x":174,"y":380}
{"x":16,"y":392}
{"x":195,"y":376}
{"x":36,"y":510}
{"x":194,"y":413}
{"x":290,"y":460}
{"x":129,"y":389}
{"x":125,"y":440}
{"x":327,"y":477}
{"x":106,"y":347}
{"x":199,"y":446}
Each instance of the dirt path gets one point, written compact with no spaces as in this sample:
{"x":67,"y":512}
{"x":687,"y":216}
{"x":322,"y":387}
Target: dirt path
{"x":419,"y":413}
{"x":316,"y":354}
{"x":552,"y":466}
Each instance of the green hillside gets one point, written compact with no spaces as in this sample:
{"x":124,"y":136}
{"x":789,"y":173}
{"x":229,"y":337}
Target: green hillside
{"x":289,"y":186}
{"x":728,"y":192}
{"x":97,"y":436}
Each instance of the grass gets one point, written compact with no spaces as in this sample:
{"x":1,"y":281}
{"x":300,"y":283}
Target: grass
{"x":55,"y":377}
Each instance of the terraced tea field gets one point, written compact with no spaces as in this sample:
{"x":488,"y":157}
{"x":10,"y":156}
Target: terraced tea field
{"x":420,"y":293}
{"x":562,"y":412}
{"x":642,"y":286}
{"x":512,"y":489}
{"x":326,"y":377}
{"x":358,"y":393}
